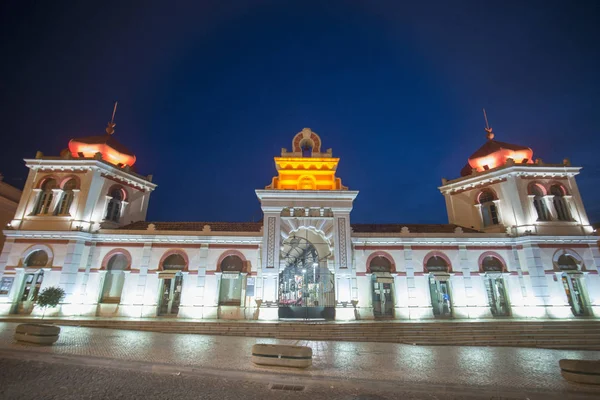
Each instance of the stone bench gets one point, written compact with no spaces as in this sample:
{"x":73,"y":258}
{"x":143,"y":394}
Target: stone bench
{"x":581,"y":371}
{"x":282,"y":355}
{"x":37,"y":333}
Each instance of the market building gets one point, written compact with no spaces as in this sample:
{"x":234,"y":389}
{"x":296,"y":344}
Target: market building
{"x":518,"y":244}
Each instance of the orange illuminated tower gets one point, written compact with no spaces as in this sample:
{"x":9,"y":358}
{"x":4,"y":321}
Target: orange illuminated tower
{"x":306,"y":167}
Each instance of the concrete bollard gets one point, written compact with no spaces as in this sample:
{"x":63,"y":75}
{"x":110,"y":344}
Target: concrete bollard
{"x":37,"y":333}
{"x":581,"y":371}
{"x":282,"y":355}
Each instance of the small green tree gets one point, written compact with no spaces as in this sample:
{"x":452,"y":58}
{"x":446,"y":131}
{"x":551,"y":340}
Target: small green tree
{"x":50,"y":297}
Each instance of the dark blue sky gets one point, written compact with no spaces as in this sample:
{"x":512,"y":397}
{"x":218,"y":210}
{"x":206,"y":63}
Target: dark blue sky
{"x":209,"y":93}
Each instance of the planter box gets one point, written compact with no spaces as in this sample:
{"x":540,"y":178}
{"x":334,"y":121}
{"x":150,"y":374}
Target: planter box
{"x":282,"y":355}
{"x":37,"y":333}
{"x":581,"y":371}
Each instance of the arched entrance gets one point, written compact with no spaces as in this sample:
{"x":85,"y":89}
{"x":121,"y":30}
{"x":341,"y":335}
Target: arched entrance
{"x":306,"y":286}
{"x":382,"y":287}
{"x":439,"y":286}
{"x":572,"y":280}
{"x":495,"y":286}
{"x":232,"y":281}
{"x":171,"y":282}
{"x":114,"y":279}
{"x":32,"y":281}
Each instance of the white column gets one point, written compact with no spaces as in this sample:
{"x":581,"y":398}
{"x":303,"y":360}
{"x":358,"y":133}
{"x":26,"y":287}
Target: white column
{"x":56,"y":196}
{"x":549,"y":201}
{"x":32,"y":203}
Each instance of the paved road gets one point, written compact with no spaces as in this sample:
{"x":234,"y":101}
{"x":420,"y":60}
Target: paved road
{"x":514,"y":373}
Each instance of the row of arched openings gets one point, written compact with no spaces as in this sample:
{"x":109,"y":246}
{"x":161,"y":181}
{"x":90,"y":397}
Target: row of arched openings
{"x":49,"y":188}
{"x":558,"y":202}
{"x":231,"y":266}
{"x":487,"y":199}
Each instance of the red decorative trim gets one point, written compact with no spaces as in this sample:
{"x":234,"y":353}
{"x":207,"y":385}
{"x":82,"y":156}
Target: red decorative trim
{"x":10,"y":269}
{"x":379,"y":247}
{"x":125,"y":195}
{"x":491,"y":254}
{"x":592,"y":272}
{"x":233,"y":246}
{"x":361,"y":274}
{"x":384,"y":255}
{"x":436,"y":254}
{"x":458,"y":273}
{"x":401,"y":273}
{"x":209,"y":273}
{"x":43,"y":179}
{"x":562,"y":186}
{"x":41,"y":241}
{"x":420,"y":273}
{"x":236,"y":253}
{"x":88,"y":243}
{"x":170,"y":253}
{"x":519,"y":247}
{"x":113,"y":252}
{"x":513,"y":273}
{"x":539,"y":186}
{"x":122,"y":182}
{"x":563,"y":246}
{"x":483,"y":190}
{"x":194,"y":272}
{"x":68,"y":178}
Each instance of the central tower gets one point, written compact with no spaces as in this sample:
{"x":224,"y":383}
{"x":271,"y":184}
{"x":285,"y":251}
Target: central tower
{"x":306,"y":167}
{"x":306,"y":261}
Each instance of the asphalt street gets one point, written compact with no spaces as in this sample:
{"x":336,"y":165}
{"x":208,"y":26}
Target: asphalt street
{"x":24,"y":379}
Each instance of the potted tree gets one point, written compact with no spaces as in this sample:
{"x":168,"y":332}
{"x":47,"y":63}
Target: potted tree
{"x":42,"y":333}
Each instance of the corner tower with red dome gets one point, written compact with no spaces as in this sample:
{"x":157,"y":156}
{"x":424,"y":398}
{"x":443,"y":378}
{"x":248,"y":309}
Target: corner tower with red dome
{"x":91,"y":185}
{"x":503,"y":189}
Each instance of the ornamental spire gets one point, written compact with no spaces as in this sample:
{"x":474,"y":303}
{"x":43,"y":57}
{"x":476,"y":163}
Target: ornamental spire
{"x":110,"y":128}
{"x":488,"y":129}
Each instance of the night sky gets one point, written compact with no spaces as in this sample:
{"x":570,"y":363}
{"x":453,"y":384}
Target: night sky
{"x":209,"y":94}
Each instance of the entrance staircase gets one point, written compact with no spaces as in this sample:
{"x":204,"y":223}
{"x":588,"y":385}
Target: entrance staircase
{"x":551,"y":334}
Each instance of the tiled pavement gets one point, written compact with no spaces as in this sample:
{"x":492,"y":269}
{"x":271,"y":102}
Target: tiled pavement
{"x":493,"y":368}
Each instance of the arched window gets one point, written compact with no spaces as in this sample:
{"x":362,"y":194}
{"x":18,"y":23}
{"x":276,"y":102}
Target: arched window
{"x":114,"y":279}
{"x":539,"y":203}
{"x":45,"y":198}
{"x":38,"y":258}
{"x":66,"y":198}
{"x":113,"y":210}
{"x":560,"y":203}
{"x":489,"y":211}
{"x":174,"y":262}
{"x":307,"y":147}
{"x":436,"y":264}
{"x":492,"y":264}
{"x":230,"y":293}
{"x":567,"y":262}
{"x":380,"y":264}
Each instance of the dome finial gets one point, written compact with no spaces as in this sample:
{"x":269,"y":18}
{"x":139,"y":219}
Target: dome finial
{"x":490,"y":134}
{"x":110,"y":128}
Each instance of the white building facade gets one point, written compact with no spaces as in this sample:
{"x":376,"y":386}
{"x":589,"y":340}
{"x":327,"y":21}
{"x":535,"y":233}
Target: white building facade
{"x":518,"y":245}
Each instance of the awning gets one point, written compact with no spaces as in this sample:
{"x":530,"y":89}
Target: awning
{"x":383,"y":277}
{"x":443,"y":277}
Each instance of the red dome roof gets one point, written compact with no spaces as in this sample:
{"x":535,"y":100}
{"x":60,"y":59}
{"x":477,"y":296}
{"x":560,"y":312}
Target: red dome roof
{"x":111,"y":150}
{"x":494,"y":154}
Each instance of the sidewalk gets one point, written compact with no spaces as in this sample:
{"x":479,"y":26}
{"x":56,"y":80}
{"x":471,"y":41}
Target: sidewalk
{"x":497,"y":369}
